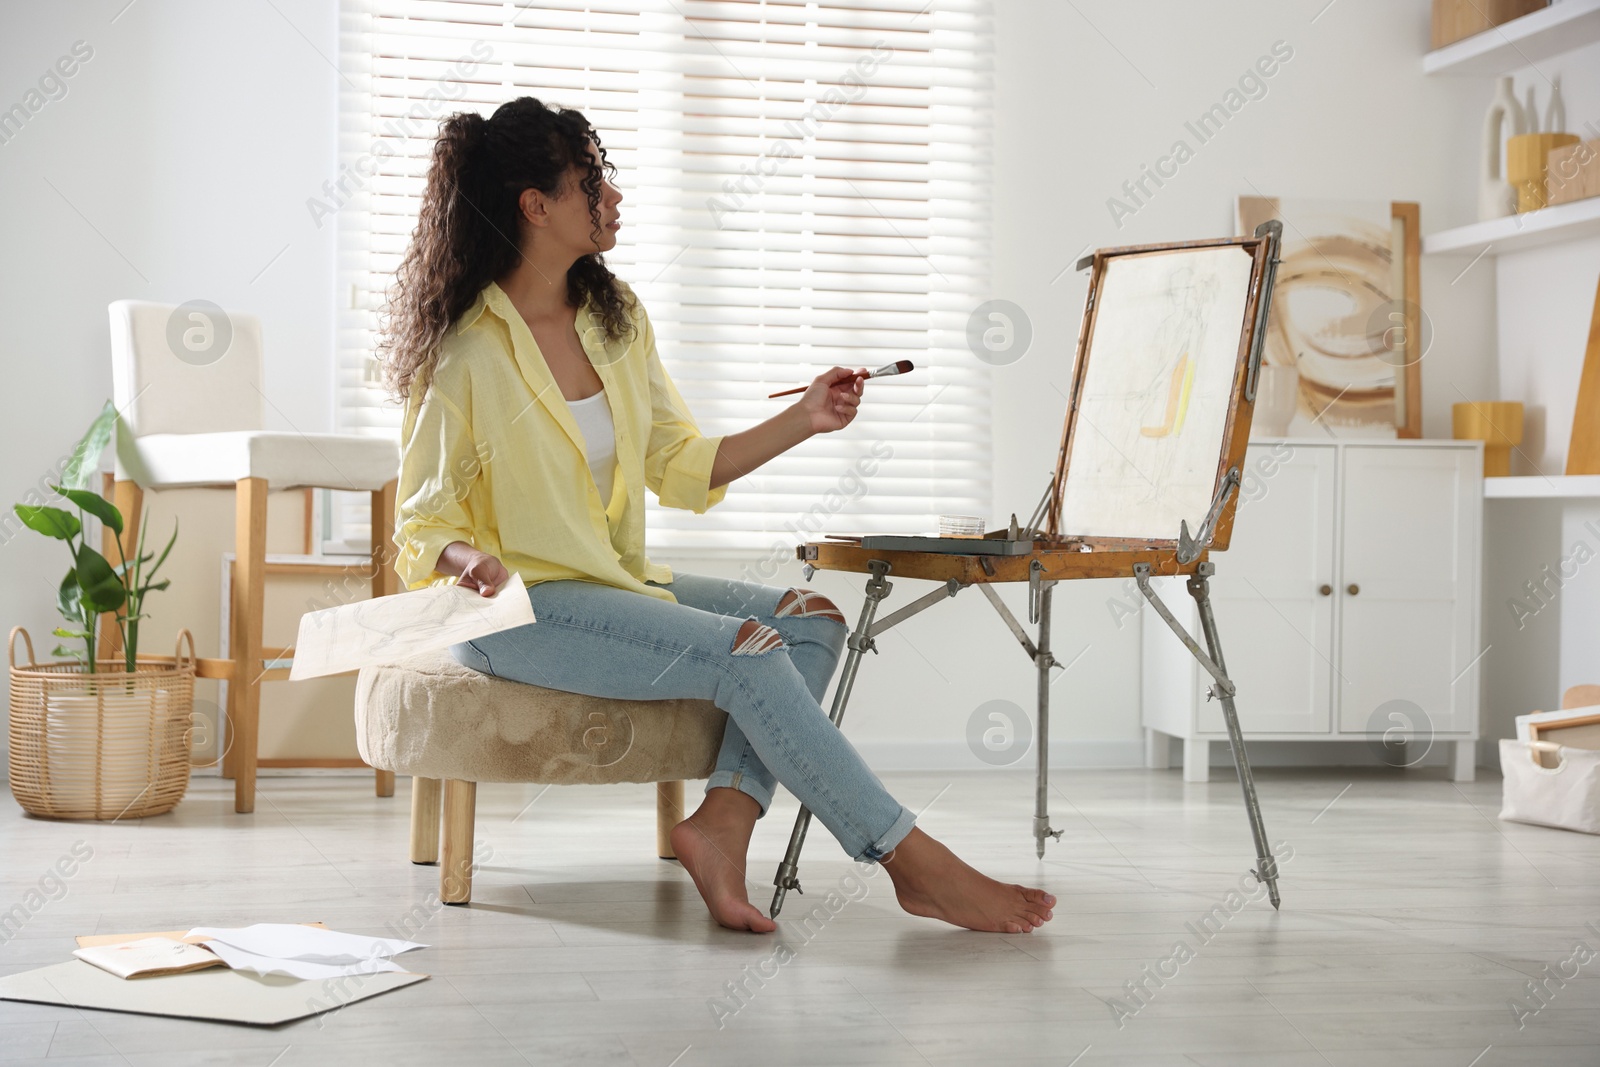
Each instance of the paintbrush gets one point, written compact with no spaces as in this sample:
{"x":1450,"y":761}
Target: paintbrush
{"x":900,"y":367}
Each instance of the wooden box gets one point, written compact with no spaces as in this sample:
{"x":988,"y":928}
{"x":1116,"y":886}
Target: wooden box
{"x":1456,"y":19}
{"x":1528,"y":166}
{"x":1574,"y":172}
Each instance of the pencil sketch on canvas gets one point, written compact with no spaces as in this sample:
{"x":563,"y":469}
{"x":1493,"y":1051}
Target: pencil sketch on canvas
{"x":1158,"y":383}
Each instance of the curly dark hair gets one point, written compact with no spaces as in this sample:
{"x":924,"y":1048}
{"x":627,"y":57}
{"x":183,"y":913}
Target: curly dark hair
{"x":468,"y":228}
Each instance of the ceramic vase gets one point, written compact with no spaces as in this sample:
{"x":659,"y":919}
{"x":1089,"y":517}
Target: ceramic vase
{"x":1555,"y":116}
{"x":1496,"y":197}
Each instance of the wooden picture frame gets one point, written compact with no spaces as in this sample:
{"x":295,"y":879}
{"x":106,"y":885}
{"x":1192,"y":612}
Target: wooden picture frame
{"x":1580,"y":730}
{"x":1408,"y":379}
{"x":1576,"y":725}
{"x":1589,"y":726}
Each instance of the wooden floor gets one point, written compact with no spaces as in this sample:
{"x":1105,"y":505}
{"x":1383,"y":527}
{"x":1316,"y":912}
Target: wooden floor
{"x":1412,"y":919}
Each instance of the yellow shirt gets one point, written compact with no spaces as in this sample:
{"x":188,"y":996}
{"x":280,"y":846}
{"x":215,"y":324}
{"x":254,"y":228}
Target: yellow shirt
{"x":492,"y":456}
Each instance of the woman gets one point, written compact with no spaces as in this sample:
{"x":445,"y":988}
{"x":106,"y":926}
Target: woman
{"x":537,"y":412}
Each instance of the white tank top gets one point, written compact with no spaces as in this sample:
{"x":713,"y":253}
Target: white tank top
{"x":593,"y":414}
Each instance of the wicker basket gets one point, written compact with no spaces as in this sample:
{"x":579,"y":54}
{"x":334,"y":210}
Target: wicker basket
{"x":108,"y":745}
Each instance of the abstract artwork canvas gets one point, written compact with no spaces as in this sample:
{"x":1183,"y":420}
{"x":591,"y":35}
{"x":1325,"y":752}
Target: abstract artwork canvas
{"x":1346,"y":313}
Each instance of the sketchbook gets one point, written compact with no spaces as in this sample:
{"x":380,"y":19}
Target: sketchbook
{"x":149,"y":957}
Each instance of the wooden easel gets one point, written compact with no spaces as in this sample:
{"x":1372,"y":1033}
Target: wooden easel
{"x":1050,"y":557}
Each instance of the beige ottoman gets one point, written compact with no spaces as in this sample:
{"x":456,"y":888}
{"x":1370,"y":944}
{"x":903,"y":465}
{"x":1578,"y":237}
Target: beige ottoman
{"x":440,"y":722}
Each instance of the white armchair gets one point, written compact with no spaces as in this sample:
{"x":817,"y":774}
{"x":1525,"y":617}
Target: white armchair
{"x":188,"y":384}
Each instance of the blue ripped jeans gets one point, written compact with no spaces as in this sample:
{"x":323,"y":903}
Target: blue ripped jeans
{"x":769,"y":676}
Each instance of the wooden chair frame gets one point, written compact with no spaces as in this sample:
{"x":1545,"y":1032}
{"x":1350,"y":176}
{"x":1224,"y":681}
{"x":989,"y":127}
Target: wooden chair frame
{"x":249,"y":662}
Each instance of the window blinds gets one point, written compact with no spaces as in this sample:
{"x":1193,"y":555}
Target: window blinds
{"x":805,"y":185}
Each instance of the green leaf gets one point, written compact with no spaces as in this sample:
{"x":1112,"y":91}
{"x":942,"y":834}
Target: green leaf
{"x":172,"y":541}
{"x":102,"y":589}
{"x":139,"y":552}
{"x":160,"y":586}
{"x":94,"y":504}
{"x":62,"y":631}
{"x":52,"y":522}
{"x":70,"y":653}
{"x":86,"y":454}
{"x":69,"y":598}
{"x":132,"y":564}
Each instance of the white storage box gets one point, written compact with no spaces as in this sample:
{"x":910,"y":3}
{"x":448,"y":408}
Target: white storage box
{"x":1565,"y":795}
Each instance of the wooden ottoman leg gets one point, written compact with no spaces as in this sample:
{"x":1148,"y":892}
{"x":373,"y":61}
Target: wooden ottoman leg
{"x":455,"y":876}
{"x":425,"y":820}
{"x":385,"y":783}
{"x":669,"y":813}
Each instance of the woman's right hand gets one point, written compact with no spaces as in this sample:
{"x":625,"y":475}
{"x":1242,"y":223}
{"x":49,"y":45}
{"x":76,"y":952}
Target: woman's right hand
{"x":474,"y":569}
{"x":484,"y":573}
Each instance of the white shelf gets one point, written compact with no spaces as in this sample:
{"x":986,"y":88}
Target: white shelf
{"x":1561,"y":27}
{"x":1547,"y":226}
{"x":1536,"y":487}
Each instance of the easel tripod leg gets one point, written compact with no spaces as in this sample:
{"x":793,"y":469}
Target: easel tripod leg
{"x":1044,"y":661}
{"x":1199,"y":588}
{"x":878,"y":587}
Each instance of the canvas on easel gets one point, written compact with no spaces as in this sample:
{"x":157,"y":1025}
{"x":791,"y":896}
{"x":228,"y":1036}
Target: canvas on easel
{"x":1163,"y":358}
{"x":1163,"y":391}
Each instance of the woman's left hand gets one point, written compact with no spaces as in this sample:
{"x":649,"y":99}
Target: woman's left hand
{"x":831,"y":400}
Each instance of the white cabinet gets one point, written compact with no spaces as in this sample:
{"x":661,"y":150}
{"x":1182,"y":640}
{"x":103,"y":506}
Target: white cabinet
{"x":1347,"y":605}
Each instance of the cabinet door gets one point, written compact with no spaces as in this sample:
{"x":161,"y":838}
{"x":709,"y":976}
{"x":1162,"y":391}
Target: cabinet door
{"x":1275,"y":624}
{"x":1406,"y":587}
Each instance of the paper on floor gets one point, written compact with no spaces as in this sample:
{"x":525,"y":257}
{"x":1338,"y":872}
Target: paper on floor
{"x":148,"y":957}
{"x":305,"y":970}
{"x":391,"y":628}
{"x":292,"y":941}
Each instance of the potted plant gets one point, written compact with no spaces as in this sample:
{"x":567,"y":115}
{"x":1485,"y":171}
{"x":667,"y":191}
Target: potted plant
{"x":96,"y":738}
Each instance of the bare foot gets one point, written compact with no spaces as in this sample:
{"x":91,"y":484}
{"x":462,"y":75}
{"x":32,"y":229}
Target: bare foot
{"x":931,"y":880}
{"x":712,"y":848}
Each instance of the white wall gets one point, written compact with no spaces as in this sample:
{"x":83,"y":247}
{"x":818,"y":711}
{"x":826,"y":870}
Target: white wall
{"x":175,"y":167}
{"x":192,"y":138}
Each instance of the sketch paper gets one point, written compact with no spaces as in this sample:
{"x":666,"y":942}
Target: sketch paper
{"x":302,"y":951}
{"x":1153,"y":405}
{"x":293,"y":941}
{"x":304,"y":970}
{"x":392,"y":628}
{"x":90,"y":940}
